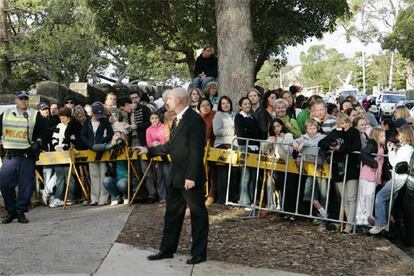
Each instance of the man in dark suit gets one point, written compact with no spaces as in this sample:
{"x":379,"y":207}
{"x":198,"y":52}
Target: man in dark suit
{"x":186,"y":149}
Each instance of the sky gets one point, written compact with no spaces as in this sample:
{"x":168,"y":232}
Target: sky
{"x":335,"y":40}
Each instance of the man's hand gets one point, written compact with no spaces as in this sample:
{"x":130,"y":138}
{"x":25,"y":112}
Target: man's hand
{"x":141,"y":150}
{"x":189,"y":184}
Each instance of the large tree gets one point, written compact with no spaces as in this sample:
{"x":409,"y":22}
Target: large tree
{"x":235,"y":44}
{"x":179,"y":27}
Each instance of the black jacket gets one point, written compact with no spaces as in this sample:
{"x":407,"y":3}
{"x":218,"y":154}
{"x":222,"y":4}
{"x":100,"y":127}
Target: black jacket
{"x":265,"y":122}
{"x":89,"y":139}
{"x":206,"y":65}
{"x":349,"y":142}
{"x":186,"y":149}
{"x":247,"y":127}
{"x":143,"y":114}
{"x":73,"y":135}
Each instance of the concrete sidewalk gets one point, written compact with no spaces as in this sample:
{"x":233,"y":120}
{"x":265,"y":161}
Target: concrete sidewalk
{"x":75,"y":240}
{"x":128,"y":260}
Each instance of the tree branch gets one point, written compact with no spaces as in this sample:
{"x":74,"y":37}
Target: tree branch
{"x":105,"y":78}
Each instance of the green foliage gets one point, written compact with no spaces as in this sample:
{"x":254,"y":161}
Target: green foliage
{"x":146,"y":65}
{"x":322,"y":67}
{"x":181,"y":26}
{"x":54,"y":40}
{"x":402,"y":37}
{"x":173,"y":25}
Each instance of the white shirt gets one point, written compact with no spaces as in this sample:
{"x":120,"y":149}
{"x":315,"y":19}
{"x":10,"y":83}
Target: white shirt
{"x":180,"y":115}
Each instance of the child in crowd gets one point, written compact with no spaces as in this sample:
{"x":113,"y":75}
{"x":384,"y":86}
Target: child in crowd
{"x":307,"y":144}
{"x":97,"y":130}
{"x":155,"y":135}
{"x":61,"y":171}
{"x":370,"y":175}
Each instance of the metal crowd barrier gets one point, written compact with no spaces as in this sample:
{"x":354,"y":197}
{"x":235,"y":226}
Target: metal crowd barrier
{"x":268,"y":152}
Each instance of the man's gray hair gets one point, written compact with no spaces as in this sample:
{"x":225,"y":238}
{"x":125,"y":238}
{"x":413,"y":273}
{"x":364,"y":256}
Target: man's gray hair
{"x":181,"y":93}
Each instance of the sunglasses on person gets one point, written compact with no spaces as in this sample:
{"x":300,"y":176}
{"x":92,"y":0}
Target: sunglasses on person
{"x":69,"y":102}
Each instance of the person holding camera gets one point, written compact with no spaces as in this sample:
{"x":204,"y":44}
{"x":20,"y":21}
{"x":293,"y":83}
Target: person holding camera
{"x":343,"y":141}
{"x":22,"y":130}
{"x":116,"y":180}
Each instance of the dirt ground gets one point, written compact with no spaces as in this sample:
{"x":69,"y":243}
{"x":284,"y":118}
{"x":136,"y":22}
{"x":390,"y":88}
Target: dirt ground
{"x":272,"y":243}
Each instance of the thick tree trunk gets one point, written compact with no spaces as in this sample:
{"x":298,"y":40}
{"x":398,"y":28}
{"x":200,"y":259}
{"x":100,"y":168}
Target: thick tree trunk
{"x":4,"y":42}
{"x":235,"y":48}
{"x":190,"y":62}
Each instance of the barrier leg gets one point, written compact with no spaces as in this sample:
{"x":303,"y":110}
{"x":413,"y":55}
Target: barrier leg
{"x":85,"y":192}
{"x":141,"y":182}
{"x":67,"y":185}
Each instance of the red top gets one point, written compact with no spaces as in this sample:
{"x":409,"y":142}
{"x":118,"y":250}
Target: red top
{"x":208,"y":120}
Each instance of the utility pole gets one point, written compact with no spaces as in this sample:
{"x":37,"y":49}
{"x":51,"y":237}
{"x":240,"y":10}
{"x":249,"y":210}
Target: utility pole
{"x":4,"y":43}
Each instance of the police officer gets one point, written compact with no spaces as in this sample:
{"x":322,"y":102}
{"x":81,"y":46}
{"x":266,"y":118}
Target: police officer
{"x":21,"y":130}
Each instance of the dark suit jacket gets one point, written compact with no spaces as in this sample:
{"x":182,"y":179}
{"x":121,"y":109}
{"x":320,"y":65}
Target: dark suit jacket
{"x":186,"y":149}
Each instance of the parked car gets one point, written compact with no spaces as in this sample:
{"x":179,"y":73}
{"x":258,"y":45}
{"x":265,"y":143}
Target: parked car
{"x":386,"y":102}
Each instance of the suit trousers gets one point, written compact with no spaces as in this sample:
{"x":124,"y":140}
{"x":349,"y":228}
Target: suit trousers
{"x":177,"y":200}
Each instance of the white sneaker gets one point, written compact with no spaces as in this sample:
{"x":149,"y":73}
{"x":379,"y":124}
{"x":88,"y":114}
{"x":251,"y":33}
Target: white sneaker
{"x":126,"y":201}
{"x":44,"y":197}
{"x":377,"y":229}
{"x":114,"y":202}
{"x":56,"y":203}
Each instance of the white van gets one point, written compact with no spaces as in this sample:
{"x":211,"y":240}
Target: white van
{"x":387,"y":101}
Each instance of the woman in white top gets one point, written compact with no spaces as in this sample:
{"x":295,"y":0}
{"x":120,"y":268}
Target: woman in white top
{"x":395,"y":156}
{"x":223,"y":128}
{"x":223,"y":123}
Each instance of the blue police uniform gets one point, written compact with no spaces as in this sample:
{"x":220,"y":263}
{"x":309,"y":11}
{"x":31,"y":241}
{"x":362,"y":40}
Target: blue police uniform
{"x":18,"y":131}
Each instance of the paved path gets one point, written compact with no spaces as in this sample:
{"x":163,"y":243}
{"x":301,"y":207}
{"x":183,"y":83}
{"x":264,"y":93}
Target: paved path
{"x":128,"y":260}
{"x":75,"y":240}
{"x":81,"y":241}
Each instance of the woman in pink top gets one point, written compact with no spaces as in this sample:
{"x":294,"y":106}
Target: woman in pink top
{"x":372,"y":157}
{"x":155,"y":135}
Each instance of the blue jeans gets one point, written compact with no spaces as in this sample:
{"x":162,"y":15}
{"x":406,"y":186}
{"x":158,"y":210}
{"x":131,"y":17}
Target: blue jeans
{"x":61,"y":172}
{"x":247,"y":186}
{"x":382,"y":201}
{"x":117,"y":189}
{"x":198,"y":83}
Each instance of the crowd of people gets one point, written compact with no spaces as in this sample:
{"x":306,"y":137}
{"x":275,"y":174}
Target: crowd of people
{"x":367,"y":153}
{"x":370,"y":146}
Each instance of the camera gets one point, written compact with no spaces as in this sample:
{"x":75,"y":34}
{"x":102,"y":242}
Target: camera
{"x":337,"y":142}
{"x":120,"y":143}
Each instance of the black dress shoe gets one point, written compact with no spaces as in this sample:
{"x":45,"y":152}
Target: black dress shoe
{"x":160,"y":255}
{"x":21,"y":218}
{"x":11,"y":215}
{"x":196,"y":260}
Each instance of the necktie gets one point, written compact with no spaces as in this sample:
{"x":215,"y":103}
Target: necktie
{"x":175,"y":123}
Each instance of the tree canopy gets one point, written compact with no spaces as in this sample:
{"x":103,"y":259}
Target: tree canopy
{"x":179,"y":27}
{"x":402,"y":37}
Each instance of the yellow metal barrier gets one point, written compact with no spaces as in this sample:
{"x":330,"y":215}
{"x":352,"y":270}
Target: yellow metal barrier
{"x":223,"y":156}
